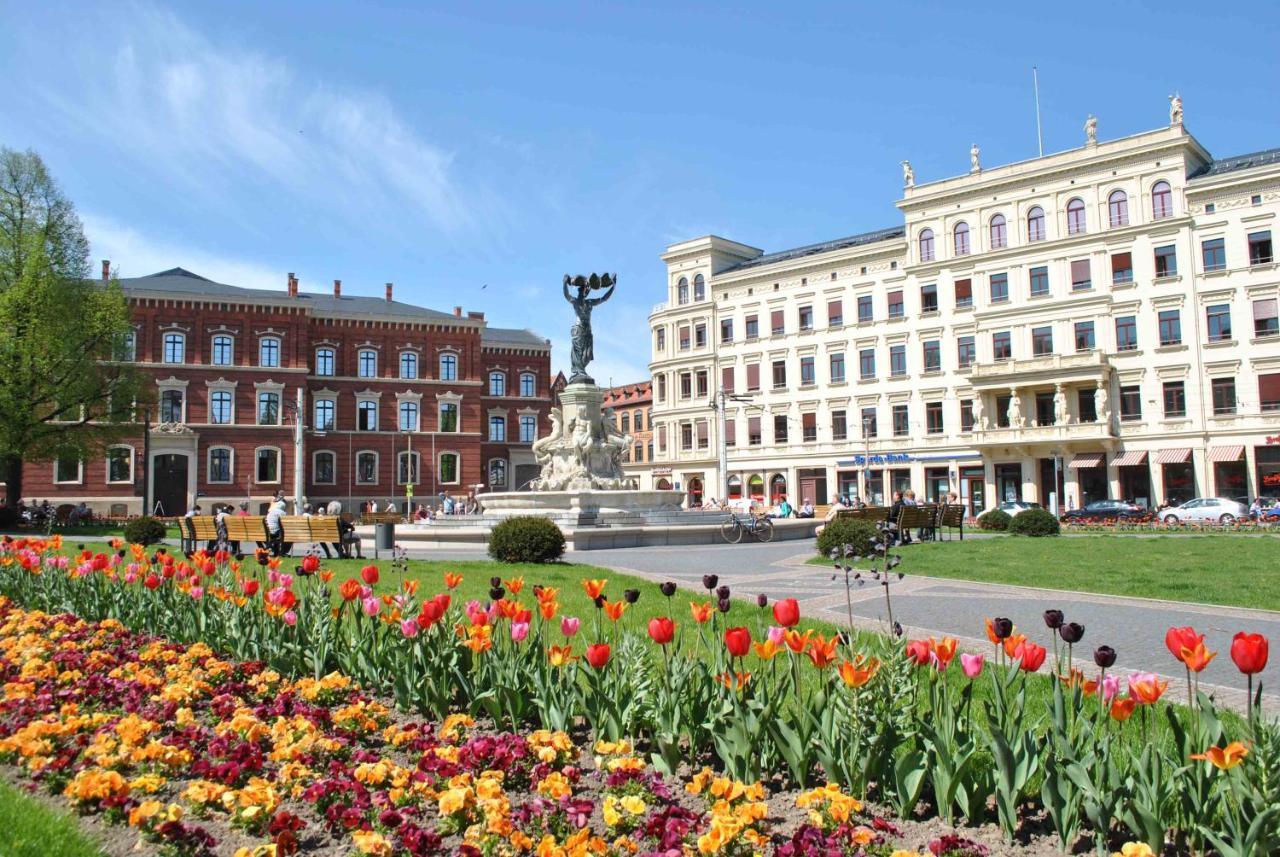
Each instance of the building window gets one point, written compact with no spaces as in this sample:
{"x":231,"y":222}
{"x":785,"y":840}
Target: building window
{"x":1126,"y":333}
{"x":223,"y":351}
{"x":999,"y":237}
{"x":1260,"y":248}
{"x":928,"y":298}
{"x":704,"y":435}
{"x":1256,"y":199}
{"x":966,"y":351}
{"x":1039,"y":281}
{"x":685,"y":341}
{"x":407,"y":468}
{"x":219,"y":465}
{"x":933,"y":356}
{"x":323,"y":468}
{"x":966,"y":415}
{"x":171,"y":406}
{"x":498,"y":473}
{"x":1175,"y":399}
{"x":497,"y":384}
{"x":175,"y":348}
{"x":897,"y":361}
{"x":1224,"y":395}
{"x":964,"y":293}
{"x":1269,"y":392}
{"x":638,"y":420}
{"x":128,"y":351}
{"x":528,"y":385}
{"x":806,"y":318}
{"x":962,"y":239}
{"x":1081,"y":276}
{"x":325,"y":414}
{"x":448,"y":417}
{"x":701,"y":377}
{"x":448,"y":367}
{"x":926,"y":245}
{"x":324,"y":361}
{"x":1265,"y":321}
{"x":1044,"y":409}
{"x":1075,"y":217}
{"x":268,"y":409}
{"x":120,"y":464}
{"x":808,"y":376}
{"x":1001,"y":346}
{"x":686,"y":436}
{"x":1166,"y":261}
{"x":754,"y":433}
{"x":497,"y":429}
{"x":408,"y":365}
{"x":1130,"y":403}
{"x":1035,"y":224}
{"x":367,"y":363}
{"x":727,"y":382}
{"x":1219,"y":320}
{"x":268,"y":469}
{"x":408,"y":416}
{"x":865,"y":311}
{"x":1214,"y":254}
{"x":839,"y":426}
{"x":1086,"y":406}
{"x":868,"y":418}
{"x":779,"y":428}
{"x":269,"y":352}
{"x":835,"y":313}
{"x":777,"y":322}
{"x":896,"y":308}
{"x":1161,"y":201}
{"x":933,"y":417}
{"x":367,"y":415}
{"x":699,"y":288}
{"x":809,"y":427}
{"x":528,"y":428}
{"x":220,"y":407}
{"x":660,"y":339}
{"x":753,"y":376}
{"x":726,"y":330}
{"x":367,"y":468}
{"x":867,"y":364}
{"x":779,"y":374}
{"x":1041,"y":341}
{"x":901,"y":427}
{"x":837,"y":368}
{"x":1210,"y":208}
{"x":1118,"y":208}
{"x":753,"y":327}
{"x":682,"y":291}
{"x":700,"y":335}
{"x":1170,"y":327}
{"x":1084,"y":336}
{"x":661,"y":392}
{"x":686,"y":385}
{"x":999,"y":288}
{"x":1121,"y":268}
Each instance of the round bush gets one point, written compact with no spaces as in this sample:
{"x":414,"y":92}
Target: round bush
{"x":1034,"y":522}
{"x":846,"y":531}
{"x":994,"y":520}
{"x":145,"y":531}
{"x":526,"y":539}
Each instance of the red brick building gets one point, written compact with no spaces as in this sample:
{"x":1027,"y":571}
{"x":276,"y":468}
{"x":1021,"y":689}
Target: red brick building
{"x":390,"y":394}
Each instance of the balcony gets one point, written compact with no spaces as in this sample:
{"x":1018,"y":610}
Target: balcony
{"x":1055,"y":434}
{"x":1049,"y":369}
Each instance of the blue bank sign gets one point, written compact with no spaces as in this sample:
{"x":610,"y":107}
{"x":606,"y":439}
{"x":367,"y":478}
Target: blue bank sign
{"x":887,"y":458}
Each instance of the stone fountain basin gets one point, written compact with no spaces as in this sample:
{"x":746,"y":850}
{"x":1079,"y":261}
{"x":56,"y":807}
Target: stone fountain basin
{"x":588,"y":503}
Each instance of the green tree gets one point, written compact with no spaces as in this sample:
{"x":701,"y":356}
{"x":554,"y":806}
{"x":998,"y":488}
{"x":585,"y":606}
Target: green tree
{"x":63,"y":389}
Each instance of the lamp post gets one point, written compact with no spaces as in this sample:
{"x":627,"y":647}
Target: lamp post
{"x":409,"y":474}
{"x":298,"y":471}
{"x":866,"y":461}
{"x":146,"y":460}
{"x":717,"y":403}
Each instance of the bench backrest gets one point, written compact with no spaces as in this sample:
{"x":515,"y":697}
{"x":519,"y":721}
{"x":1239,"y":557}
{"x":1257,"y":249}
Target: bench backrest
{"x":203,"y":528}
{"x":324,"y":529}
{"x":246,"y":528}
{"x":952,"y":516}
{"x":381,"y":518}
{"x":916,"y":516}
{"x":295,"y":528}
{"x":866,"y":513}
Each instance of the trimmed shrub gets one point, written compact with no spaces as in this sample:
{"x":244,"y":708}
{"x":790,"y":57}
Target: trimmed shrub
{"x":526,"y":539}
{"x":1034,"y":522}
{"x":844,"y":531}
{"x":145,"y":531}
{"x":994,"y":520}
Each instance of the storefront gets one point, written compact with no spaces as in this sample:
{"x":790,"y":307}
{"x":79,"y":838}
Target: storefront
{"x":1135,"y":477}
{"x":695,"y":492}
{"x":755,"y":488}
{"x":735,"y":488}
{"x":813,"y":485}
{"x":847,"y":484}
{"x":777,"y":488}
{"x":973,"y":489}
{"x":1230,"y":473}
{"x":1268,"y":464}
{"x":936,"y":484}
{"x":1053,"y":480}
{"x":1178,"y":476}
{"x":900,"y":480}
{"x":662,"y":478}
{"x":1090,"y":469}
{"x":1008,"y":482}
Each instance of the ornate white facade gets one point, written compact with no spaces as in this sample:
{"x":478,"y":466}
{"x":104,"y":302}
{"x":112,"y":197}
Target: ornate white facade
{"x":1101,"y":321}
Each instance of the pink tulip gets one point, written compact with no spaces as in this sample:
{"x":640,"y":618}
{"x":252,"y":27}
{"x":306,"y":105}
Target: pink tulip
{"x":130,"y":576}
{"x":197,"y":592}
{"x":569,"y":625}
{"x":1110,"y":687}
{"x":476,"y":613}
{"x":972,"y":664}
{"x":519,"y":630}
{"x":777,"y":634}
{"x":371,"y":606}
{"x":409,"y":628}
{"x":290,"y":618}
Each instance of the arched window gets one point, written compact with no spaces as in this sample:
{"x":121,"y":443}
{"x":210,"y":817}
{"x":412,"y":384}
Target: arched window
{"x":695,"y":492}
{"x":528,"y":385}
{"x":408,"y":365}
{"x":636,"y":420}
{"x":497,"y":429}
{"x":324,"y":361}
{"x":448,"y":416}
{"x":448,"y":468}
{"x":326,"y":414}
{"x":220,"y":407}
{"x":269,"y":352}
{"x":624,"y":424}
{"x":268,"y":409}
{"x":407,"y":468}
{"x":699,"y":288}
{"x":223,"y":352}
{"x":408,"y":416}
{"x":171,"y":410}
{"x":367,"y":363}
{"x":962,"y":239}
{"x":755,"y":487}
{"x":367,"y":467}
{"x":175,"y":348}
{"x":999,"y":237}
{"x":498,"y":473}
{"x":267,"y":468}
{"x":735,"y":487}
{"x":664,"y":484}
{"x":528,"y":428}
{"x":497,"y":384}
{"x":926,"y":245}
{"x":448,"y":367}
{"x":324,"y":468}
{"x":129,"y":347}
{"x":220,"y":465}
{"x":367,"y":415}
{"x":1035,"y":224}
{"x":1161,"y":200}
{"x":777,"y":488}
{"x":120,"y":464}
{"x":682,"y":291}
{"x":1118,"y":208}
{"x":1075,"y":217}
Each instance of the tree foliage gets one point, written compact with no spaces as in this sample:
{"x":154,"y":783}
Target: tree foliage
{"x":63,"y":392}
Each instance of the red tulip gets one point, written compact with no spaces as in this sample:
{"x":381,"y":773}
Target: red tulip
{"x":310,"y":564}
{"x":1249,"y":651}
{"x":661,"y":630}
{"x":738,"y":641}
{"x":918,"y":652}
{"x":443,"y":599}
{"x":369,"y":574}
{"x":151,"y":582}
{"x":430,"y":614}
{"x":598,"y":654}
{"x":786,"y":612}
{"x":250,"y":587}
{"x":1032,"y":656}
{"x":1177,"y":639}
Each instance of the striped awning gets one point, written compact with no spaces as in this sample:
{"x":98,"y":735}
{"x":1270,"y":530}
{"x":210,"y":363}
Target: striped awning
{"x":1173,"y":456}
{"x":1131,"y":457}
{"x":1225,"y":453}
{"x":1085,"y":460}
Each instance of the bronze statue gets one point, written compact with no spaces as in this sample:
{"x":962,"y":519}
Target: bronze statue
{"x":583,"y":352}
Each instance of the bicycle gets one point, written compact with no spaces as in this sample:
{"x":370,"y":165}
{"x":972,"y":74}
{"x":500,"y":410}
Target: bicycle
{"x":760,"y":528}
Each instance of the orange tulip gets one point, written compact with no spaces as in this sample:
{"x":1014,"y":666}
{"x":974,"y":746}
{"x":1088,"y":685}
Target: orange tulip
{"x":514,"y":585}
{"x":326,"y":575}
{"x":859,"y":672}
{"x":1197,"y":658}
{"x":766,"y":650}
{"x":1146,"y":688}
{"x":822,"y":652}
{"x":410,"y":586}
{"x":615,"y":609}
{"x":594,"y":588}
{"x":1122,"y":707}
{"x":548,"y":609}
{"x":452,"y":579}
{"x":701,"y":612}
{"x":945,"y":649}
{"x":1076,"y":679}
{"x":1224,"y":758}
{"x":734,"y":681}
{"x":1012,"y":642}
{"x":349,"y":589}
{"x":560,"y":655}
{"x":545,"y":593}
{"x":991,"y":633}
{"x":479,"y":638}
{"x":796,"y":641}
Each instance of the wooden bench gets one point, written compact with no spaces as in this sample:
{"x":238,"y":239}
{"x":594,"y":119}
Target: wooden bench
{"x":873,"y":514}
{"x":203,"y":529}
{"x":381,"y":518}
{"x":951,"y":517}
{"x":246,"y":528}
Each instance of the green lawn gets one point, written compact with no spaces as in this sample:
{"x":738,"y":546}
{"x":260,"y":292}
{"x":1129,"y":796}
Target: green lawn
{"x":33,"y":830}
{"x":1232,"y":570}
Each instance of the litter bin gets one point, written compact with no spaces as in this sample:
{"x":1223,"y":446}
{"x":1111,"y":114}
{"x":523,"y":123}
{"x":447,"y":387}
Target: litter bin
{"x":384,"y":537}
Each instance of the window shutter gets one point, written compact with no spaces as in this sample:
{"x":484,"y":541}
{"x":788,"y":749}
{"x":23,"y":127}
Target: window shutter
{"x":895,"y":297}
{"x":775,"y":320}
{"x":753,"y":376}
{"x":726,"y":378}
{"x":1269,"y":390}
{"x":1264,"y":309}
{"x":730,"y":432}
{"x":835,"y":310}
{"x":964,"y":290}
{"x":1121,"y":261}
{"x":809,"y":420}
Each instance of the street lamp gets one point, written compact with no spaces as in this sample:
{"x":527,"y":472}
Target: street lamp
{"x":718,"y":401}
{"x":298,"y":471}
{"x":866,"y":461}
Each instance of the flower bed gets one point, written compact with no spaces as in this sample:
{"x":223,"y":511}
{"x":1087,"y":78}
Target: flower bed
{"x":277,"y":724}
{"x":1152,"y":524}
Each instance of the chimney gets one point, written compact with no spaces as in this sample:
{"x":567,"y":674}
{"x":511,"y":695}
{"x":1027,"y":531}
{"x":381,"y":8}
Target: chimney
{"x":457,"y":311}
{"x":106,"y":270}
{"x":390,"y":286}
{"x":478,"y":316}
{"x":293,"y":285}
{"x":337,"y":288}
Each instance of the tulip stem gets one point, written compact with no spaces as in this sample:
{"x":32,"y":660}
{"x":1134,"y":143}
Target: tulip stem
{"x":1249,"y":704}
{"x":1190,"y":702}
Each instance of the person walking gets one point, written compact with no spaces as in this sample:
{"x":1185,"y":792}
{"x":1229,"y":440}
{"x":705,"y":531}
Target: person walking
{"x":275,"y":528}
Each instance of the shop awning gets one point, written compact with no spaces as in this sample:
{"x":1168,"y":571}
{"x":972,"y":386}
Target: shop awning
{"x":1085,"y":460}
{"x":1174,"y":456}
{"x":1131,"y":457}
{"x":1225,"y":453}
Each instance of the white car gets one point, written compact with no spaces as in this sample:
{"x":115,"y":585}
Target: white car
{"x":1011,"y":507}
{"x":1217,"y":510}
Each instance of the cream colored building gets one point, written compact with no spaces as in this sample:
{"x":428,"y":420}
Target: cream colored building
{"x":1101,"y":322}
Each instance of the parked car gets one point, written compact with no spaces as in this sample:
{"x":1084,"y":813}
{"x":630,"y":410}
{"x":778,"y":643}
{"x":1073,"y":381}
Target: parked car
{"x":1011,"y":507}
{"x":1219,"y":510}
{"x":1105,"y":510}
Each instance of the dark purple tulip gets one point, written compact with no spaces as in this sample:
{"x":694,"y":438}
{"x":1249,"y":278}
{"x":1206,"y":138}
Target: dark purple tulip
{"x":496,"y":593}
{"x":1104,"y":656}
{"x":631,"y":596}
{"x":1072,"y":632}
{"x":668,"y":589}
{"x":599,"y":601}
{"x":724,"y":605}
{"x":722,"y":592}
{"x":709,"y":581}
{"x":762,"y":600}
{"x":1002,"y":627}
{"x":495,"y":582}
{"x":1054,"y":619}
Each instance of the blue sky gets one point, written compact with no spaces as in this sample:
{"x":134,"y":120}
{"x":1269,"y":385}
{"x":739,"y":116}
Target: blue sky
{"x":447,"y":147}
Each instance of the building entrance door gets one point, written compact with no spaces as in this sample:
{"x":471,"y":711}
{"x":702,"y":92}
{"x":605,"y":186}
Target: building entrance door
{"x":1048,"y":483}
{"x":1008,"y":482}
{"x":973,"y":489}
{"x":170,"y":483}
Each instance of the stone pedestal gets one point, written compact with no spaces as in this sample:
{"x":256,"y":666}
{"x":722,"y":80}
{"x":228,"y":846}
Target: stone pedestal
{"x":584,"y":449}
